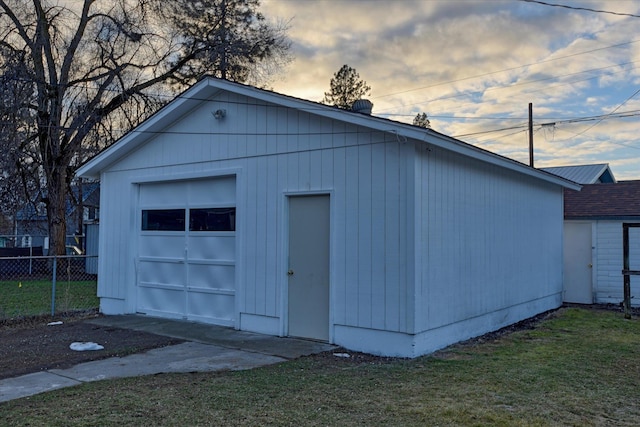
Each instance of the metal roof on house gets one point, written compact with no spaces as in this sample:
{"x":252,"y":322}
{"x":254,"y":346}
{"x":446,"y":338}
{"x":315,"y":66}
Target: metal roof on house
{"x":584,"y":174}
{"x":614,"y":201}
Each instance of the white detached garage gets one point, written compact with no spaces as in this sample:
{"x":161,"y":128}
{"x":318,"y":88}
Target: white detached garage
{"x":242,"y":207}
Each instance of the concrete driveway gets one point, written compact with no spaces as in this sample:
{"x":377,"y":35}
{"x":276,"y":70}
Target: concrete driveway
{"x":207,"y":348}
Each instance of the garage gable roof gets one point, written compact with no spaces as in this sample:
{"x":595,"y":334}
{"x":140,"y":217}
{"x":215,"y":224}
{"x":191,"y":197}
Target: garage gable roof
{"x":209,"y":87}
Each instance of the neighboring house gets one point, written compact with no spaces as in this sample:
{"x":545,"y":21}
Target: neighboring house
{"x":594,"y":244}
{"x":31,"y":228}
{"x":584,"y":174}
{"x":243,"y":207}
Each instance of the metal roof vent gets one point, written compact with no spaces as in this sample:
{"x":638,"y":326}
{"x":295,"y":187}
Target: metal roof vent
{"x":363,"y":106}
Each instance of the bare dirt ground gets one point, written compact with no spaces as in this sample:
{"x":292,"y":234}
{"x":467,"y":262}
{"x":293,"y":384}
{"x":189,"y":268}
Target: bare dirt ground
{"x":31,"y":345}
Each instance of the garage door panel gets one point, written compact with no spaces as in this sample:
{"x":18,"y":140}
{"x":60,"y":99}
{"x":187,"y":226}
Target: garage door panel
{"x":160,"y":300}
{"x":211,"y":246}
{"x":211,"y":307}
{"x":165,"y":245}
{"x":212,"y":276}
{"x":162,"y":273}
{"x":163,"y":194}
{"x":188,"y":273}
{"x":220,"y":191}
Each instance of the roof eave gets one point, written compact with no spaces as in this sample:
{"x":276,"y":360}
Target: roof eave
{"x":208,"y":87}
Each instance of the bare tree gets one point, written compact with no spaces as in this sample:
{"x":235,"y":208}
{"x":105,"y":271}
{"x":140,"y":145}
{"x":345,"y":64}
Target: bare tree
{"x":422,"y":120}
{"x":346,"y":87}
{"x":92,"y":69}
{"x":18,"y":174}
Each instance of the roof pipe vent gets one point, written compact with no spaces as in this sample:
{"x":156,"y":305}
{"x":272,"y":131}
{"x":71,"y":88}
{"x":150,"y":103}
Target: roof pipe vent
{"x":363,"y":106}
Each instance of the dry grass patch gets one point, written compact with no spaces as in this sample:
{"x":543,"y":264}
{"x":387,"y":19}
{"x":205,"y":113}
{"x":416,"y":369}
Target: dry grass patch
{"x":577,"y":367}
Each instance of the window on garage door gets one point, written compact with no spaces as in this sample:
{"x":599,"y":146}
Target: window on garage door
{"x":203,"y":219}
{"x":163,"y":220}
{"x":212,"y":219}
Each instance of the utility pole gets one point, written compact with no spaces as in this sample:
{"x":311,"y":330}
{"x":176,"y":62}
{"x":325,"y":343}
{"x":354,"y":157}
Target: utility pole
{"x":530,"y":134}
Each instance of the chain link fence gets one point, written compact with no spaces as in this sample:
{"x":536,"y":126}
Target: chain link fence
{"x":47,"y":285}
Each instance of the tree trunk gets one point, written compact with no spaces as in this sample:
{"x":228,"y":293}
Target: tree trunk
{"x":56,"y":210}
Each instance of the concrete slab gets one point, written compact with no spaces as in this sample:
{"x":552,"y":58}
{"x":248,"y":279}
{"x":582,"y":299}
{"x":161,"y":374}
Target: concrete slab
{"x":208,"y":348}
{"x":288,"y":348}
{"x":185,"y":357}
{"x":28,"y":385}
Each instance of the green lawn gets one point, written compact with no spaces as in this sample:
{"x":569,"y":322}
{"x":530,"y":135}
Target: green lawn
{"x":579,"y":367}
{"x":33,"y":297}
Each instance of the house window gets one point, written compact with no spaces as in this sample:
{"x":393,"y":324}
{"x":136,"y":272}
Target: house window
{"x":212,"y":219}
{"x":163,"y":219}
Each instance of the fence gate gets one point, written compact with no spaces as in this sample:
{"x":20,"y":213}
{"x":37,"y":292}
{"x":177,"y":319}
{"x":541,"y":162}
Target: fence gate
{"x":626,"y":271}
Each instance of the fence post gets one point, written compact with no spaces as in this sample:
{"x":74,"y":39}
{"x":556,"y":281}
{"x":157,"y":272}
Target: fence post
{"x":53,"y":286}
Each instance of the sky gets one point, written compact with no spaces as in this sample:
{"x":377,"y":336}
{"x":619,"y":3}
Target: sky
{"x":475,"y":65}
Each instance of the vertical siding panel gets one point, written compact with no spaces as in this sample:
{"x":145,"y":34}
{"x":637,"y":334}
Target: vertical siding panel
{"x":250,"y":247}
{"x":419,"y":210}
{"x":339,"y":256}
{"x":259,"y":140}
{"x":308,"y":129}
{"x":339,"y":136}
{"x":609,"y":261}
{"x":315,"y":170}
{"x":304,"y":171}
{"x":393,"y":261}
{"x":326,"y":159}
{"x":246,"y":134}
{"x":297,"y":129}
{"x":292,"y":172}
{"x":285,"y":116}
{"x":378,"y":236}
{"x":260,"y":239}
{"x":326,"y":137}
{"x":364,"y":235}
{"x":351,"y":237}
{"x":272,"y":239}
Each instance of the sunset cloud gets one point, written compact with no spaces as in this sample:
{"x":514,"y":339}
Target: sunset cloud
{"x":474,"y":66}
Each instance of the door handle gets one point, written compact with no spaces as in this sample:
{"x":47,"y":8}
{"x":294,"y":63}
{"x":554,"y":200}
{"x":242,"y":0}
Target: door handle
{"x":290,"y":272}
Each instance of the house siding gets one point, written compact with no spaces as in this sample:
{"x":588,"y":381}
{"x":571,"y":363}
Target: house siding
{"x":278,"y":151}
{"x":488,"y":240}
{"x":609,"y":262}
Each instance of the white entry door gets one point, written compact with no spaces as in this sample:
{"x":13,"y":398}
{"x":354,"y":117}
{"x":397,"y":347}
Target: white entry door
{"x":578,"y":263}
{"x":186,"y":250}
{"x":309,"y":267}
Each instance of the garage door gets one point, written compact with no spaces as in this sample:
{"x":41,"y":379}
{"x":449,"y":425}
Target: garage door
{"x":186,"y":250}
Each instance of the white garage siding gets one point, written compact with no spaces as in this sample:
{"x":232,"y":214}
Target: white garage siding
{"x":362,"y":170}
{"x":422,"y":237}
{"x":489,"y":247}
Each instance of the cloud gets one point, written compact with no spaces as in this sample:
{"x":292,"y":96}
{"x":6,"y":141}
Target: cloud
{"x":478,"y":60}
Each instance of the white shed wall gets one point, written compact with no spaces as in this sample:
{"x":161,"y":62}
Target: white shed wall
{"x":427,"y":247}
{"x":608,"y":285}
{"x":489,"y":245}
{"x":278,"y":151}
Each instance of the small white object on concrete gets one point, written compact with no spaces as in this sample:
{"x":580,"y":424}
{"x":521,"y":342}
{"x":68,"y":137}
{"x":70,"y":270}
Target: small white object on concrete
{"x":54,"y":323}
{"x":84,"y":346}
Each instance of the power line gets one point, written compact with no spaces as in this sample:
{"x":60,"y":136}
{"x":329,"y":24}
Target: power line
{"x":458,"y":95}
{"x":600,"y":118}
{"x":581,"y":8}
{"x":506,"y":69}
{"x":603,"y":118}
